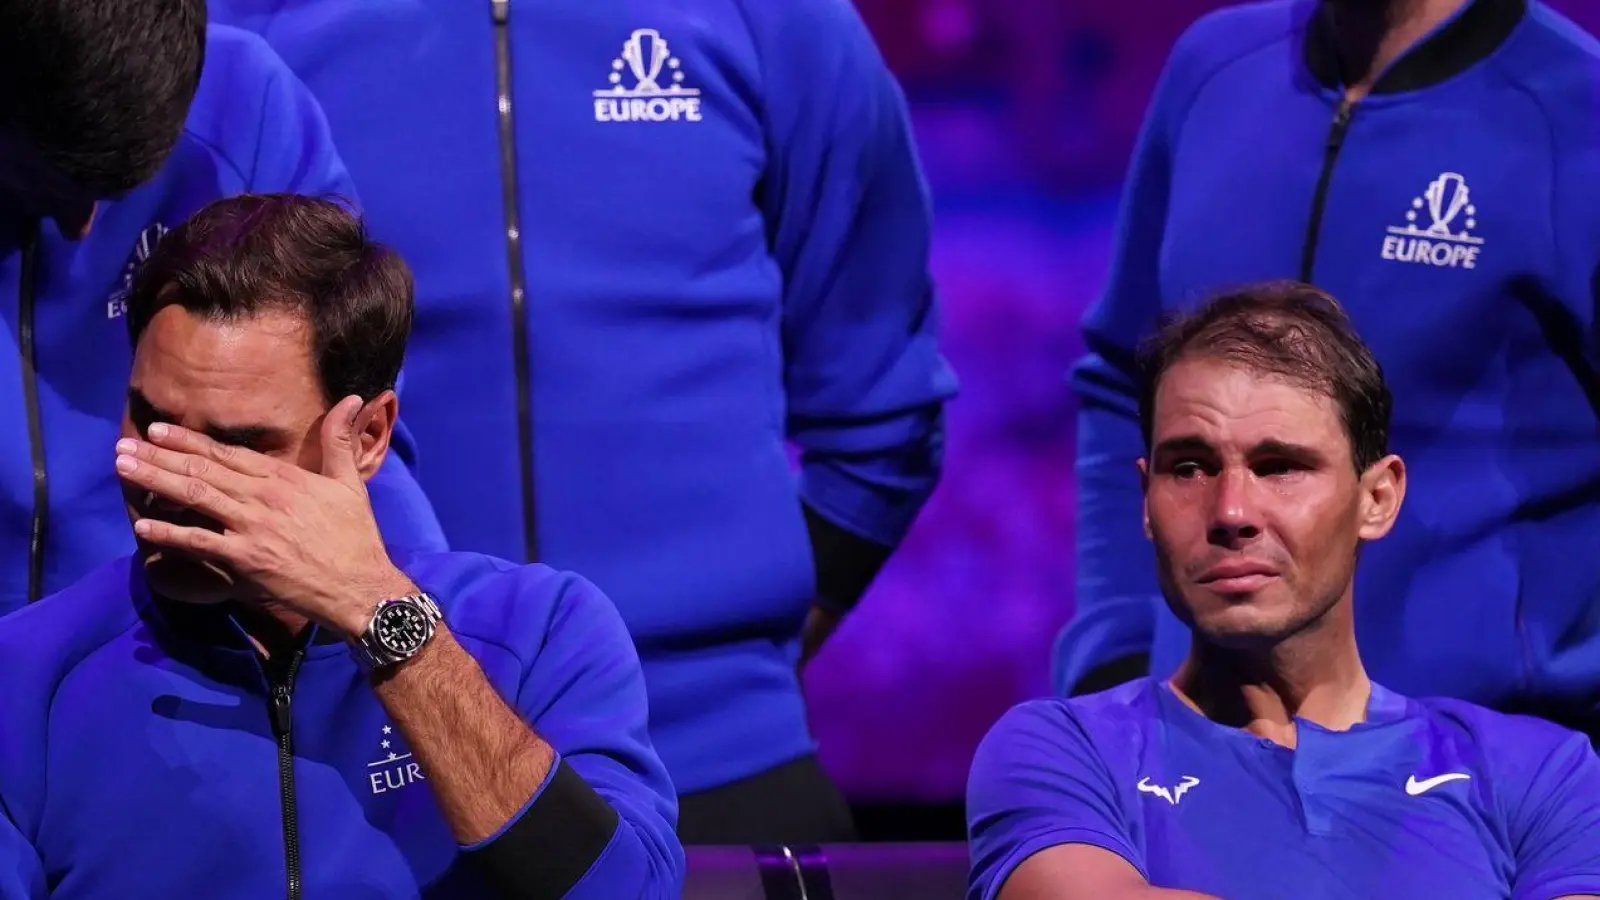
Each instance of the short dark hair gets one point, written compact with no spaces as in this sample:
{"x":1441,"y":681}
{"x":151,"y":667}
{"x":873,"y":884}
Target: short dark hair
{"x":242,"y":256}
{"x":1289,"y":330}
{"x":100,"y":88}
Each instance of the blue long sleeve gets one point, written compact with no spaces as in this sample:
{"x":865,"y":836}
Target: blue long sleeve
{"x":849,"y":214}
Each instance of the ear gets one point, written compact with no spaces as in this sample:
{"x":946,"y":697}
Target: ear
{"x":374,"y":426}
{"x":1144,"y":496}
{"x":1383,"y":489}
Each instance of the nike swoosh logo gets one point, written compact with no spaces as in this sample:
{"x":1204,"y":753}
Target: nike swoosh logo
{"x":1415,"y":787}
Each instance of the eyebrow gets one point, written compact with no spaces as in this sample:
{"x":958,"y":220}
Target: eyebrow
{"x":1189,"y":443}
{"x":253,"y":436}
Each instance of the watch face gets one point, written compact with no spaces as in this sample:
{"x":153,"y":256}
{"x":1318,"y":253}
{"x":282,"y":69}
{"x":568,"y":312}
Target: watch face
{"x":401,"y":628}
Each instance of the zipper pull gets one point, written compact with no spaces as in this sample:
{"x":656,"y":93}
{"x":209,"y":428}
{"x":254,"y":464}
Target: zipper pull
{"x":500,"y":11}
{"x":1341,"y":121}
{"x":280,"y":710}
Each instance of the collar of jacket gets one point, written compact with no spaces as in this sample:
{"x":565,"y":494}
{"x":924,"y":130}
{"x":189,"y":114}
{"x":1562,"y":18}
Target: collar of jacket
{"x":209,"y":637}
{"x":1464,"y":41}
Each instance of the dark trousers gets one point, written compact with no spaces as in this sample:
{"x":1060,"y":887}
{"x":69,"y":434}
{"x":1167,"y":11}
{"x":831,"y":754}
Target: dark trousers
{"x":795,"y":803}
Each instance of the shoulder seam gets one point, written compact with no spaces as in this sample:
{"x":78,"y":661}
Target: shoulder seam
{"x":275,"y":73}
{"x":218,"y":153}
{"x":1181,"y":116}
{"x":1499,"y":68}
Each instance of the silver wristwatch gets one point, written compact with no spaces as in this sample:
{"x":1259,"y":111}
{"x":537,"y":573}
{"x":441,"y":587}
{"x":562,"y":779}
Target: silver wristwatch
{"x":399,"y":629}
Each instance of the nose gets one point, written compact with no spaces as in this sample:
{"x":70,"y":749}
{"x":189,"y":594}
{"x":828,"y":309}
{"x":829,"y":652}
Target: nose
{"x":1235,"y":518}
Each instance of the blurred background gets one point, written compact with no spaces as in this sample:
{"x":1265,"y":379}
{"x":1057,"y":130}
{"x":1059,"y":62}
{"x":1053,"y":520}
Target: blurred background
{"x":1025,"y":111}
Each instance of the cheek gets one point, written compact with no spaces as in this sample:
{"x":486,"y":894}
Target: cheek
{"x":1315,"y":530}
{"x":1175,"y":517}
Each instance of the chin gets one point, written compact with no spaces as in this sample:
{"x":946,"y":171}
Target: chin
{"x":187,"y":580}
{"x":1244,"y":621}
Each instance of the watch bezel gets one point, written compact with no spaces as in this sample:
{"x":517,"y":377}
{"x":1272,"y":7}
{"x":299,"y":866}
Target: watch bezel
{"x":401,"y":606}
{"x":372,"y":652}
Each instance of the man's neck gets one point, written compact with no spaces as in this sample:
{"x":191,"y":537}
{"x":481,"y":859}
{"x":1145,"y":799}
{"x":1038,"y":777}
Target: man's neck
{"x":1316,"y":675}
{"x":1371,"y":34}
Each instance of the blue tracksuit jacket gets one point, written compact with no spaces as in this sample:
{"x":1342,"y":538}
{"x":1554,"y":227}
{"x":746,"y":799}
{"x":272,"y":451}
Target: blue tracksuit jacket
{"x":148,"y":752}
{"x":252,"y":127}
{"x":720,"y":246}
{"x":1454,"y":213}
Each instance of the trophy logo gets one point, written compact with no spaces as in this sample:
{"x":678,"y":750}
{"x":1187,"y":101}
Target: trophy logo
{"x":1439,"y":227}
{"x":1446,"y":196}
{"x":645,"y":52}
{"x":647,"y":57}
{"x":657,"y":92}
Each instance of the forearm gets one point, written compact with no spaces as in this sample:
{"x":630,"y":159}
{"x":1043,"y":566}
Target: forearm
{"x":481,"y":761}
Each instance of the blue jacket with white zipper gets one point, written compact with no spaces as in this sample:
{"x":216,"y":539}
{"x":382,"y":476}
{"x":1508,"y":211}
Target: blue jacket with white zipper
{"x":718,"y":245}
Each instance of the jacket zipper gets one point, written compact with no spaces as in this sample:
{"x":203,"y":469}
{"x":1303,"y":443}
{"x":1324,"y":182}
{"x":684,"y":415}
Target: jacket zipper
{"x":30,"y":400}
{"x":1330,"y":155}
{"x":283,"y":730}
{"x":500,"y":10}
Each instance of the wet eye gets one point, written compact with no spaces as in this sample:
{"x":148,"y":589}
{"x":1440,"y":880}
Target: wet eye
{"x":1277,"y":467}
{"x":1187,"y":469}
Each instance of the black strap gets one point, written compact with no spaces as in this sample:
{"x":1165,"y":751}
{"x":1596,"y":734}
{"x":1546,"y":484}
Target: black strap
{"x":794,"y":872}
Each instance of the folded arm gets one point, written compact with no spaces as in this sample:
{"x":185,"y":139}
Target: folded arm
{"x":1084,"y":872}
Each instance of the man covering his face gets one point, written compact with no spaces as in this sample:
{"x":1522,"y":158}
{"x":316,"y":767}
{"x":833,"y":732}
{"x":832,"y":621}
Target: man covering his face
{"x":263,"y":699}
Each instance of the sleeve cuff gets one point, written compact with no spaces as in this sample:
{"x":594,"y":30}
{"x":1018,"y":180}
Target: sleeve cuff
{"x":881,"y":515}
{"x":551,"y":843}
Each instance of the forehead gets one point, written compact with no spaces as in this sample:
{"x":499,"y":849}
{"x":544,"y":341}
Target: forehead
{"x":1228,"y":404}
{"x":255,"y":367}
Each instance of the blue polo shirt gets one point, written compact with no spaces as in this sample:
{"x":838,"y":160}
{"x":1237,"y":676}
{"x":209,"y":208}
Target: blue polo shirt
{"x":1426,"y":798}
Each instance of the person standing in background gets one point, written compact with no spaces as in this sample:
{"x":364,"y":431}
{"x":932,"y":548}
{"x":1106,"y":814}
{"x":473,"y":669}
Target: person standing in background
{"x":653,"y":244}
{"x":1432,"y":162}
{"x":110,"y":134}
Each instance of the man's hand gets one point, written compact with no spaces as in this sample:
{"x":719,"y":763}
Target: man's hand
{"x":308,"y":539}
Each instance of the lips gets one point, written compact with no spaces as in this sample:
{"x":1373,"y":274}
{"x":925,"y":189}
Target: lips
{"x":1238,"y":576}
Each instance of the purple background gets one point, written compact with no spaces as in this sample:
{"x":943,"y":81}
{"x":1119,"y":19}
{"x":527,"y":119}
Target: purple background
{"x":1025,"y":111}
